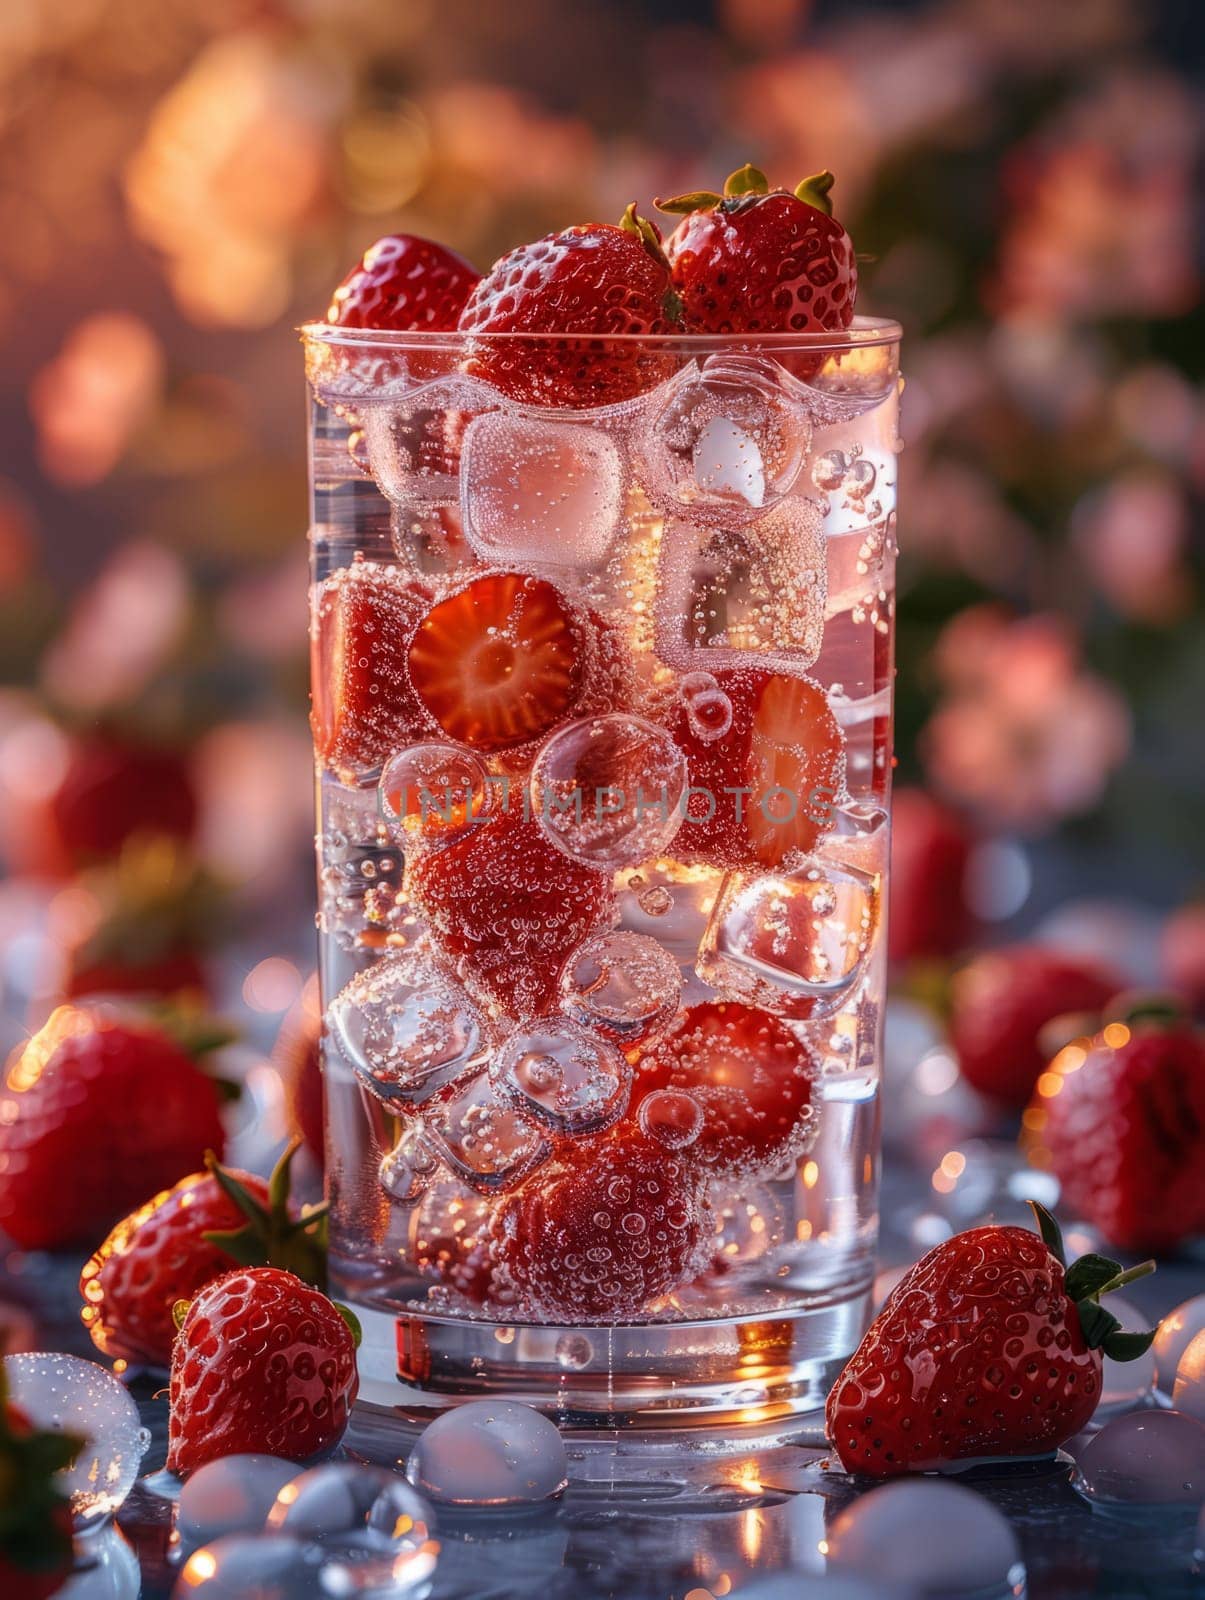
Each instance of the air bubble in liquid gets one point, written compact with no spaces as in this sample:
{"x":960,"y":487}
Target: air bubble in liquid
{"x":561,"y":1075}
{"x":624,"y":986}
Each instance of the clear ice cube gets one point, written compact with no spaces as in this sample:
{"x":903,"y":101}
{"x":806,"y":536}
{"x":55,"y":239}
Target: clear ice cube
{"x":266,"y":1566}
{"x":432,"y":793}
{"x":929,"y":1538}
{"x":231,"y":1495}
{"x":1176,"y":1332}
{"x":408,"y":1029}
{"x":414,"y":442}
{"x":376,"y":1534}
{"x":560,"y":1074}
{"x":624,"y":986}
{"x":795,"y":943}
{"x":1188,"y":1394}
{"x":408,"y":1168}
{"x":1148,"y":1458}
{"x":727,"y":441}
{"x":65,"y":1394}
{"x":608,"y":790}
{"x":489,"y":1453}
{"x":484,"y":1138}
{"x":538,"y":495}
{"x":752,"y":596}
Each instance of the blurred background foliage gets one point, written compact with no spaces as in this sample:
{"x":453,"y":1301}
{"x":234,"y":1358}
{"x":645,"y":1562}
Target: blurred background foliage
{"x":182,"y":184}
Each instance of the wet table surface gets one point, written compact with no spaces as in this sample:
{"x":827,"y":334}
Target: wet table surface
{"x":699,"y":1523}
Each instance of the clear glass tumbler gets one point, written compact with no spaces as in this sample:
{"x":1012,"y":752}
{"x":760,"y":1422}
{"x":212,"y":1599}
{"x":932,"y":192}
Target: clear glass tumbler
{"x":602,"y":698}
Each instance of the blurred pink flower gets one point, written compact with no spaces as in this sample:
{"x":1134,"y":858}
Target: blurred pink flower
{"x":89,"y":400}
{"x":958,"y":518}
{"x":120,"y":631}
{"x":1024,"y":734}
{"x":1132,"y":536}
{"x":1102,"y":215}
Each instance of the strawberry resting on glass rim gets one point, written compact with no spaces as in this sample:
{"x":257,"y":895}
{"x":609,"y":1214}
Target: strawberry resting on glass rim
{"x":603,"y":841}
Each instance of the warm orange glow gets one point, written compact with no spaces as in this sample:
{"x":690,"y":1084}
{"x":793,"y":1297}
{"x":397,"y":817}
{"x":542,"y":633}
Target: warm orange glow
{"x":1116,"y":1035}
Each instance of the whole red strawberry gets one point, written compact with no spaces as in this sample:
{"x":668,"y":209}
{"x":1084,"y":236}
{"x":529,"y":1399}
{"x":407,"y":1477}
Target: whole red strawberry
{"x":263,"y":1364}
{"x":1001,"y":1001}
{"x":403,"y":281}
{"x":762,"y":260}
{"x":36,"y":1553}
{"x":509,"y":906}
{"x":594,"y":279}
{"x":113,"y":788}
{"x":1120,"y":1120}
{"x":615,"y":1222}
{"x":362,"y":621}
{"x":181,"y":1240}
{"x":930,"y":849}
{"x":988,"y":1346}
{"x":99,"y":1108}
{"x":750,"y":1074}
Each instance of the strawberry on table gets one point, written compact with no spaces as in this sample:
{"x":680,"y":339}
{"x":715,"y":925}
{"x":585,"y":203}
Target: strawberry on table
{"x":404,"y":282}
{"x":989,"y":1346}
{"x":613,"y":1223}
{"x":263,"y":1364}
{"x":768,"y":784}
{"x":509,"y":906}
{"x":98,"y":1109}
{"x":500,"y":662}
{"x":1120,"y":1120}
{"x":1001,"y":1001}
{"x":750,"y":1074}
{"x":362,"y":620}
{"x":762,"y":260}
{"x":594,"y":279}
{"x":181,"y":1240}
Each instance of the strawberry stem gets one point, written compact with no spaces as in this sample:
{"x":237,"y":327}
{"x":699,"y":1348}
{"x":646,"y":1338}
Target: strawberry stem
{"x":1130,"y":1275}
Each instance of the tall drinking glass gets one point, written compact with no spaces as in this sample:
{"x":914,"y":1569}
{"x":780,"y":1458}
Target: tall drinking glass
{"x":602,"y":705}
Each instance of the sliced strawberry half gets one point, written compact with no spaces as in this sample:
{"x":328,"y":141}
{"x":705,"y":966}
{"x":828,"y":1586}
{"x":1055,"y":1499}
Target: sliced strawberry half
{"x":500,"y":662}
{"x":763,"y":791}
{"x":363,"y":706}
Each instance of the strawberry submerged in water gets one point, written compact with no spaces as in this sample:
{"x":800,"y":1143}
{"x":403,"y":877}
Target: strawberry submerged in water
{"x":989,"y":1346}
{"x":762,"y":260}
{"x":595,"y":279}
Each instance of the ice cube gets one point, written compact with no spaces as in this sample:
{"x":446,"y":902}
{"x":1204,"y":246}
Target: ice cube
{"x":408,"y":1029}
{"x":484,"y":1138}
{"x":743,"y":597}
{"x":1147,"y":1458}
{"x":414,"y":443}
{"x":1176,"y":1332}
{"x":830,"y":1586}
{"x":537,"y":495}
{"x":608,"y":790}
{"x":749,"y":1223}
{"x":795,"y":943}
{"x":728,"y":462}
{"x":624,"y":986}
{"x":489,"y":1453}
{"x":376,"y":1534}
{"x":231,"y":1495}
{"x":927,"y":1539}
{"x":433,"y":793}
{"x":266,"y":1566}
{"x":408,"y":1168}
{"x":110,"y":1570}
{"x":557,"y":1073}
{"x":65,"y":1394}
{"x":1188,"y":1395}
{"x":727,"y":440}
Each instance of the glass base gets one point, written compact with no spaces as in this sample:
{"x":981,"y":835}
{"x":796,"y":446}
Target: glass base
{"x":738,"y":1374}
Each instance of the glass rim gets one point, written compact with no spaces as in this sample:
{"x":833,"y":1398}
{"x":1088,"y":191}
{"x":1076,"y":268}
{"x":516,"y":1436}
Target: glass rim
{"x":862,"y":333}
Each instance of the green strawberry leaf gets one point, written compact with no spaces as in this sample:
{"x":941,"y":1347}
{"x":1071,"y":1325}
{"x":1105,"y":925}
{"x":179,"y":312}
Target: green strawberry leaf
{"x":271,"y":1236}
{"x":814,"y":191}
{"x":352,"y":1321}
{"x":1096,"y":1322}
{"x":683,"y":204}
{"x":1052,"y":1234}
{"x":1090,"y":1275}
{"x":1128,"y":1346}
{"x":746,"y":180}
